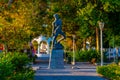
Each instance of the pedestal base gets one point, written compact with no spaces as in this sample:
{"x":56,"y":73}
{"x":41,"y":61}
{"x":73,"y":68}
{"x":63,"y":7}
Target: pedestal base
{"x":56,"y":59}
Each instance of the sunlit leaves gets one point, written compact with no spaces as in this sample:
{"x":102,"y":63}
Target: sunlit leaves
{"x":111,"y":5}
{"x":25,"y":18}
{"x":15,"y":24}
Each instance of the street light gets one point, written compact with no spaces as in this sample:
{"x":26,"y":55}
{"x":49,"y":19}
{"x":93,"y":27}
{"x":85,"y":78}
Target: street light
{"x":101,"y":25}
{"x":73,"y":63}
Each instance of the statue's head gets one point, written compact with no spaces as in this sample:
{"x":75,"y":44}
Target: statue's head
{"x":56,"y":16}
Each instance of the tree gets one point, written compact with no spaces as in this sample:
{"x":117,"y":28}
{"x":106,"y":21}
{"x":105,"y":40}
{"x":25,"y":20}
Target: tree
{"x":15,"y":29}
{"x":20,"y":21}
{"x":90,"y":12}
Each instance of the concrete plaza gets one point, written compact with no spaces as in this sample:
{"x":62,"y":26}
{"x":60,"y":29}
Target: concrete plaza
{"x":80,"y":71}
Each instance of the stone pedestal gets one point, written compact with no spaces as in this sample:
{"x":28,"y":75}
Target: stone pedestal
{"x":56,"y":59}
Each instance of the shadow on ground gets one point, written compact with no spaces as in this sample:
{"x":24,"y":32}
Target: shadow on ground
{"x":68,"y":78}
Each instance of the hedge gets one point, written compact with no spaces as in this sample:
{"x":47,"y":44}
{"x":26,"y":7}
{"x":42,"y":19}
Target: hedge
{"x":15,"y":66}
{"x":111,"y":71}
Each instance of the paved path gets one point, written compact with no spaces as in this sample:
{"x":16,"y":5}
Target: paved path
{"x":81,"y":71}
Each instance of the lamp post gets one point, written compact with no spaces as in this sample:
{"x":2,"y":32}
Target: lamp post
{"x":101,"y":25}
{"x":73,"y":63}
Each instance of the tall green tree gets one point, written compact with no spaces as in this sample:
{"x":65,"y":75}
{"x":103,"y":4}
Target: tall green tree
{"x":20,"y":21}
{"x":90,"y":12}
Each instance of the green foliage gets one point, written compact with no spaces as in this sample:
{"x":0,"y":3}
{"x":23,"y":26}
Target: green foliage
{"x":86,"y":55}
{"x":111,"y":71}
{"x":111,"y":6}
{"x":14,"y":20}
{"x":19,"y":60}
{"x":23,"y":19}
{"x":15,"y":66}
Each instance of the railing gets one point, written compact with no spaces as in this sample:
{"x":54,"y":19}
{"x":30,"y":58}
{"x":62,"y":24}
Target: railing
{"x":111,"y":52}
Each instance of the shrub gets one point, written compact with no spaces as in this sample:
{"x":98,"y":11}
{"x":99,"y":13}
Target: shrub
{"x":87,"y":55}
{"x":15,"y":66}
{"x":111,"y":71}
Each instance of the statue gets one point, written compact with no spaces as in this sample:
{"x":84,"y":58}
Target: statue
{"x":56,"y":57}
{"x":57,"y":29}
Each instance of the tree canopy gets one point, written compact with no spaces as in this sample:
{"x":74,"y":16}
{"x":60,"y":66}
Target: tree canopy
{"x":20,"y":21}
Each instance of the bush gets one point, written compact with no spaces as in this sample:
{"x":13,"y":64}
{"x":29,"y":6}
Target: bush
{"x":111,"y":71}
{"x":15,"y":66}
{"x":87,"y":55}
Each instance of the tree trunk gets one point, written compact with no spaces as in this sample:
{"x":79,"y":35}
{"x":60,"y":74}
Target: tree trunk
{"x":90,"y":41}
{"x":6,"y":48}
{"x":84,"y":44}
{"x":97,"y":39}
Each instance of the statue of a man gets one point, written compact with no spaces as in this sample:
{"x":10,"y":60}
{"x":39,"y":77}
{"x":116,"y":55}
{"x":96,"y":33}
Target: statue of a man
{"x":57,"y":29}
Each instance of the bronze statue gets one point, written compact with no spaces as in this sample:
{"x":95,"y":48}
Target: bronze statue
{"x":57,"y":29}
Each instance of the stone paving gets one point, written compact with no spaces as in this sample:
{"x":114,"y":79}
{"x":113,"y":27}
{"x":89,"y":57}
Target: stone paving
{"x":80,"y":71}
